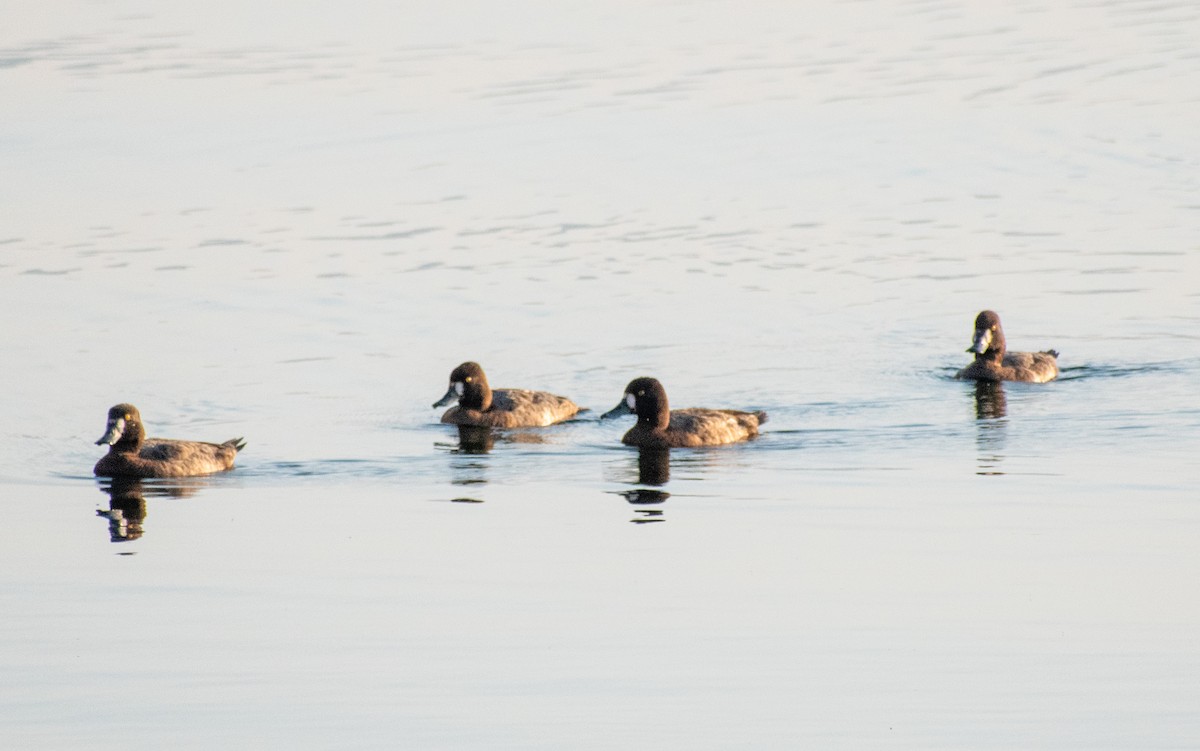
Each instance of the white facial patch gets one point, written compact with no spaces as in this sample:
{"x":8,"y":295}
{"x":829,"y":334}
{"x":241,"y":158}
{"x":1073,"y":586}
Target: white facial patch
{"x":459,"y":388}
{"x":631,"y":401}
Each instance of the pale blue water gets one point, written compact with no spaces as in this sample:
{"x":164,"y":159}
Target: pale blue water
{"x":290,"y":223}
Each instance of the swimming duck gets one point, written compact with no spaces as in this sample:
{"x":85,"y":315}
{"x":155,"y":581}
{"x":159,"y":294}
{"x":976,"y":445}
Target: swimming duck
{"x":131,"y":454}
{"x":994,"y":363}
{"x":658,"y":426}
{"x":479,"y":405}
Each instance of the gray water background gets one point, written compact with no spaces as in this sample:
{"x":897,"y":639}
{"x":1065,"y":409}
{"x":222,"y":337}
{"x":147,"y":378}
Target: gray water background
{"x":291,"y":221}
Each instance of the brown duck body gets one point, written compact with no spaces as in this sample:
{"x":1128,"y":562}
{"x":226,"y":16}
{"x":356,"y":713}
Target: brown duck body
{"x":131,"y":454}
{"x":660,"y":427}
{"x":696,"y":427}
{"x":515,"y":408}
{"x":481,"y":406}
{"x":993,"y":361}
{"x":1031,"y":367}
{"x":165,"y":457}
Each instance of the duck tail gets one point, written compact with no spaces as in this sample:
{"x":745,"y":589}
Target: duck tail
{"x":762,"y":416}
{"x":1053,"y":353}
{"x":237,"y":443}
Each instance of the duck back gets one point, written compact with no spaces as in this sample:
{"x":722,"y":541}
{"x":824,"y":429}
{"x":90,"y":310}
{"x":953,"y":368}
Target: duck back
{"x":697,"y":427}
{"x":515,"y":408}
{"x":165,"y":457}
{"x":1029,"y":367}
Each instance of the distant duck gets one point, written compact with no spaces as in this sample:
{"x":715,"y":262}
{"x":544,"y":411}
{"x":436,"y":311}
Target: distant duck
{"x":479,"y":405}
{"x":659,"y":426}
{"x":131,"y":454}
{"x":993,"y":362}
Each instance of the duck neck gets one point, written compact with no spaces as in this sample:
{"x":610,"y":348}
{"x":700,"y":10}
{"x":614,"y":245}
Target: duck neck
{"x":477,"y":396}
{"x":654,"y":413}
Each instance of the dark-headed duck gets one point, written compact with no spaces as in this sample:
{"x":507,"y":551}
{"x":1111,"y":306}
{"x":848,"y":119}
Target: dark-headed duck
{"x":131,"y":454}
{"x":479,"y":405}
{"x":993,"y":362}
{"x":659,"y":426}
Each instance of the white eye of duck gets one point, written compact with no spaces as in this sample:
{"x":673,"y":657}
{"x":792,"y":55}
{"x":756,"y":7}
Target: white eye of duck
{"x":631,"y":400}
{"x":458,"y":388}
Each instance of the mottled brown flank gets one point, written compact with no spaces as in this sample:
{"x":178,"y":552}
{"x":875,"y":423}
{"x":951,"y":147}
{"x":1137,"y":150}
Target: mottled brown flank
{"x":1031,"y":367}
{"x":515,"y":408}
{"x":134,"y":455}
{"x":697,"y":427}
{"x":164,"y":457}
{"x":996,"y":363}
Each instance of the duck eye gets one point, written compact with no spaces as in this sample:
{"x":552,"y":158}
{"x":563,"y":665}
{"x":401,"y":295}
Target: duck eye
{"x":126,"y":415}
{"x":467,"y":379}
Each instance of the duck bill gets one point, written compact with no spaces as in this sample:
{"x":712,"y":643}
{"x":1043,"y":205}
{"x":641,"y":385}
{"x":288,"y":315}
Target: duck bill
{"x":451,"y":396}
{"x":115,"y":429}
{"x":983,"y":340}
{"x":617,"y":411}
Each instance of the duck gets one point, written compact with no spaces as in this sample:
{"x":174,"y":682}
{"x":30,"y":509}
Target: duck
{"x":481,"y":406}
{"x":993,"y":362}
{"x":659,"y":426}
{"x":132,"y":455}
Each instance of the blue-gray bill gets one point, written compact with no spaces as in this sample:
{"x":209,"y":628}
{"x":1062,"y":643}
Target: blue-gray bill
{"x":983,"y":340}
{"x":621,"y":409}
{"x":113,"y":433}
{"x":450,"y":396}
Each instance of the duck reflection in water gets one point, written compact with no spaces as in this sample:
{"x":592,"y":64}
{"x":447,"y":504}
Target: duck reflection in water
{"x":468,"y":457}
{"x":468,"y":464}
{"x":474,"y":440}
{"x":654,"y":468}
{"x":126,"y":512}
{"x":126,"y":509}
{"x":990,"y":401}
{"x":991,"y":408}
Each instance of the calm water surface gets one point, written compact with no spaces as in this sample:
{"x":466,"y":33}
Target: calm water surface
{"x":290,"y":223}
